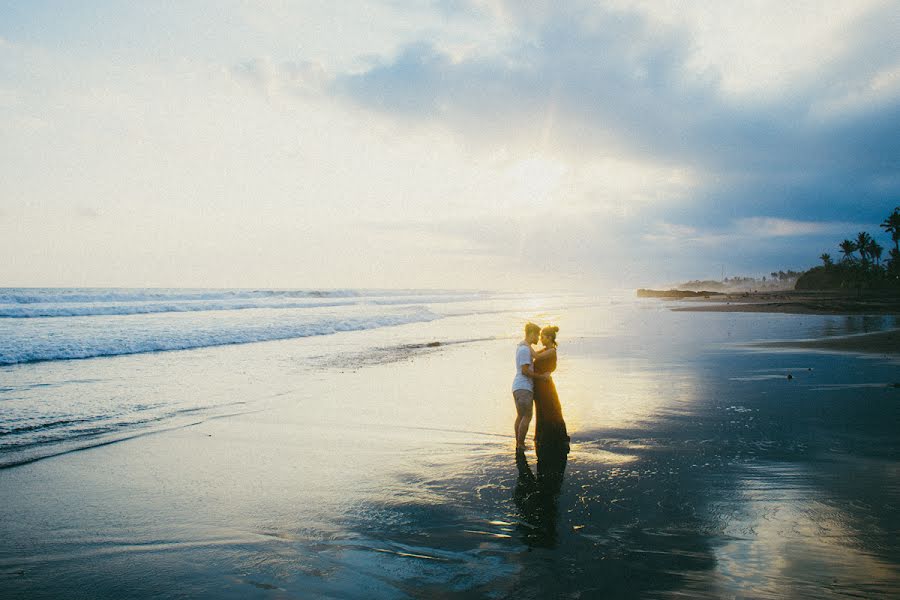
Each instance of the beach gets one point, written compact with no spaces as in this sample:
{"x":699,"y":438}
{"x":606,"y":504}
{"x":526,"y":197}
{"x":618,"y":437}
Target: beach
{"x":379,"y":463}
{"x":268,"y":267}
{"x":799,"y":302}
{"x":872,"y":305}
{"x":882,"y":342}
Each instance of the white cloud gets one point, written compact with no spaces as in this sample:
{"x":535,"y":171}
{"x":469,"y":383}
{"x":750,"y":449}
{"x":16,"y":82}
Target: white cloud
{"x":306,"y":77}
{"x":764,"y":47}
{"x":772,"y":227}
{"x":364,"y":144}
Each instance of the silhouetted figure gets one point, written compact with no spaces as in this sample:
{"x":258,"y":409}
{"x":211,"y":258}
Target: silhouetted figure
{"x":551,"y":440}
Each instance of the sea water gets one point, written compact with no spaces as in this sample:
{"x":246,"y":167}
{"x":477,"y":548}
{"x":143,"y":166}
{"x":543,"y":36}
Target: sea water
{"x":53,"y":400}
{"x":369,"y":451}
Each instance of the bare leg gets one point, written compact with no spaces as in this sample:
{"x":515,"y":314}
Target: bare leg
{"x":523,"y":420}
{"x":524,"y":400}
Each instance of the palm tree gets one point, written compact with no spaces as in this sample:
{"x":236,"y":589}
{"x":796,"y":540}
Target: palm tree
{"x":892,"y":225}
{"x":863,"y":240}
{"x":826,"y":259}
{"x":847,"y":249}
{"x":874,"y":250}
{"x":893,"y":265}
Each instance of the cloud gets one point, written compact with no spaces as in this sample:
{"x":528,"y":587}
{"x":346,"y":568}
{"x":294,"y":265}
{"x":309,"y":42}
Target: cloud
{"x":593,"y":140}
{"x":754,"y":228}
{"x":599,"y":82}
{"x":763,"y":227}
{"x":288,"y":77}
{"x":607,"y":249}
{"x":750,"y":245}
{"x":611,"y":81}
{"x":89,"y":212}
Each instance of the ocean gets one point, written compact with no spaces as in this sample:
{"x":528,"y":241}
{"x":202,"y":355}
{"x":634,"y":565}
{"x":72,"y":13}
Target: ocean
{"x":53,"y":400}
{"x":358,"y":444}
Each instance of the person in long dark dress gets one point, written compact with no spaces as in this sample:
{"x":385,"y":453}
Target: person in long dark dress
{"x":551,"y":440}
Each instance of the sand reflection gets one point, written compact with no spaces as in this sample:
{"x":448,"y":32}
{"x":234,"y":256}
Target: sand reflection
{"x":788,"y":538}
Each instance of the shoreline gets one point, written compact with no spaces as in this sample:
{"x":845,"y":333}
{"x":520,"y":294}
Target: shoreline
{"x":880,"y":342}
{"x":803,"y":302}
{"x":796,"y":302}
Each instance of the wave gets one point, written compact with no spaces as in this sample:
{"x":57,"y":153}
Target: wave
{"x":47,"y":303}
{"x":68,"y":343}
{"x":21,"y":452}
{"x":104,"y":310}
{"x":11,"y":429}
{"x":82,"y":295}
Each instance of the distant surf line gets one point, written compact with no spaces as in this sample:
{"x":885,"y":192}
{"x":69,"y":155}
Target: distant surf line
{"x":190,"y":340}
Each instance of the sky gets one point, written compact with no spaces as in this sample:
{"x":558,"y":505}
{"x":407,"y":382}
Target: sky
{"x":482,"y":144}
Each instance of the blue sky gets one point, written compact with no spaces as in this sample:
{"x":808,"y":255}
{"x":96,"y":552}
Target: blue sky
{"x":440,"y":144}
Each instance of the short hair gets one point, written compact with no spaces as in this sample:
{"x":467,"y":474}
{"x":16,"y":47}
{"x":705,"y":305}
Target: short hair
{"x":532,"y":328}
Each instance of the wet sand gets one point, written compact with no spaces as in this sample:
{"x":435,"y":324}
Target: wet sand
{"x":798,"y":302}
{"x":882,"y":342}
{"x":697,"y":470}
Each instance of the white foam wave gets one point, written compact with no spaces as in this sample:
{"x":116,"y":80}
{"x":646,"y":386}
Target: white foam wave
{"x":86,"y":338}
{"x":31,"y":311}
{"x":94,"y":295}
{"x":24,"y":304}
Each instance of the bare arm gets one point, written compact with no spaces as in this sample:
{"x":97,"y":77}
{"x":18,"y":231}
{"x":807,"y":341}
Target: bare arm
{"x":528,"y":371}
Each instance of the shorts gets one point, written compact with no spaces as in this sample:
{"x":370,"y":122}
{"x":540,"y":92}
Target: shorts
{"x":524,"y":400}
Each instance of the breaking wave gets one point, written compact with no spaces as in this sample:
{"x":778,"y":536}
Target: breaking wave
{"x":45,"y":303}
{"x":85,"y":338}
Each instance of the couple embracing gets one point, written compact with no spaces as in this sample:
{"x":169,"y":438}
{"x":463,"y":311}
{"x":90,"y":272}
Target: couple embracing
{"x":533,"y":387}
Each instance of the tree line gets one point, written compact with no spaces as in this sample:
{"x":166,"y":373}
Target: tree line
{"x":861,"y":265}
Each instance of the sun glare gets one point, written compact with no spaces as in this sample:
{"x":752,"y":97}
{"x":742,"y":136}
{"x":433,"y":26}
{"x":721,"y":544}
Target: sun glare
{"x":535,"y":179}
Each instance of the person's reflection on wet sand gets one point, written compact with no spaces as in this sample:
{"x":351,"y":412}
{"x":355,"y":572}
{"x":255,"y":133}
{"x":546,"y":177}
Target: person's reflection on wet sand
{"x":537,"y":499}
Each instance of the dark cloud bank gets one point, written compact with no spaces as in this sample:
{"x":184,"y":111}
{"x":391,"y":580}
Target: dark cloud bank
{"x":618,"y":83}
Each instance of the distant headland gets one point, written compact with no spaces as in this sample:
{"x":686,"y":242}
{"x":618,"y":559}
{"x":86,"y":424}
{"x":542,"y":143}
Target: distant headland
{"x":859,"y":283}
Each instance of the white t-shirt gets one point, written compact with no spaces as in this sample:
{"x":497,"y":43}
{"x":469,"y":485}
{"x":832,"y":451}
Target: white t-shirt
{"x":523,"y":357}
